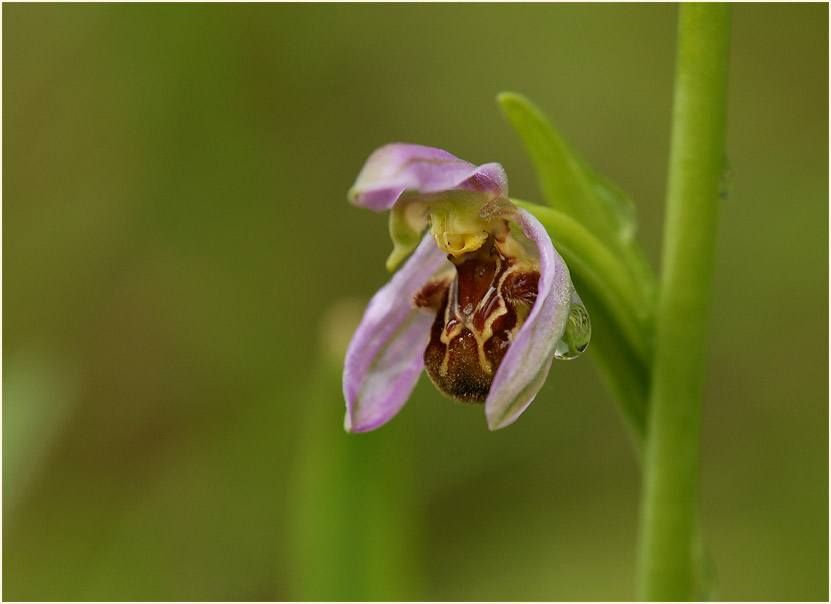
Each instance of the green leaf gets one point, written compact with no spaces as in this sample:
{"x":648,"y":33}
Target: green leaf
{"x":626,"y":378}
{"x":600,"y":270}
{"x":574,"y":189}
{"x":621,"y":336}
{"x":566,"y":182}
{"x":592,"y":223}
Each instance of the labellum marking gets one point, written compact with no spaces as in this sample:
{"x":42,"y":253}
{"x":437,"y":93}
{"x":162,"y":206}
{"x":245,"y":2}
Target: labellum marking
{"x":478,"y":312}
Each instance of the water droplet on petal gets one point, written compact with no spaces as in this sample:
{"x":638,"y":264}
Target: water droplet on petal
{"x":577,"y":335}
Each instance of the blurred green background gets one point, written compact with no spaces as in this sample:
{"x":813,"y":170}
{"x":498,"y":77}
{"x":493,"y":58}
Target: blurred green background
{"x":179,"y":258}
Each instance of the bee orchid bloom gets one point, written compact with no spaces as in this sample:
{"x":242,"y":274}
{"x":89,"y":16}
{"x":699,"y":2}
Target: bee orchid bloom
{"x":484,"y":303}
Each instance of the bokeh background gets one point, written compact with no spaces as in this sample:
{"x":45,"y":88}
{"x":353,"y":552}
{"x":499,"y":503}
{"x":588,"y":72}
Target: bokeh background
{"x":181,"y":270}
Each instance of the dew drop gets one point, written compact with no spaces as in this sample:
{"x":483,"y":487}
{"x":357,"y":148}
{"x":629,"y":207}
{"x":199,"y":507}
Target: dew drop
{"x":577,"y":335}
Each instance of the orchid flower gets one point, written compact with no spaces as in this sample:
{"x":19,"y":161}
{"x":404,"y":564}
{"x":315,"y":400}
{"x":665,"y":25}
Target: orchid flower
{"x":484,"y":302}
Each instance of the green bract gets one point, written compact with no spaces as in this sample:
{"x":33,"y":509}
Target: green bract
{"x":593,"y":224}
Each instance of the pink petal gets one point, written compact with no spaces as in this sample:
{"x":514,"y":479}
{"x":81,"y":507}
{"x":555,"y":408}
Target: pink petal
{"x":526,"y":364}
{"x":399,"y":167}
{"x":385,"y":357}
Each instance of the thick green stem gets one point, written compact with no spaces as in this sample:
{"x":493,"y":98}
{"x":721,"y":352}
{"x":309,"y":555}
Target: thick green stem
{"x":668,"y":561}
